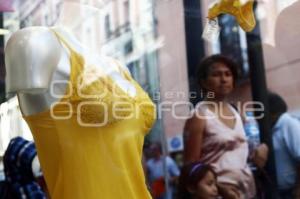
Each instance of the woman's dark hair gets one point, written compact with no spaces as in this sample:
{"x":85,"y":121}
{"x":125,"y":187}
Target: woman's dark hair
{"x":190,"y":175}
{"x":276,"y":104}
{"x":207,"y":62}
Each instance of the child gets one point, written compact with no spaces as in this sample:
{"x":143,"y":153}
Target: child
{"x":197,"y":181}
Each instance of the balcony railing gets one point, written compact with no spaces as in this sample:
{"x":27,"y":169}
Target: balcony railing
{"x":118,"y":32}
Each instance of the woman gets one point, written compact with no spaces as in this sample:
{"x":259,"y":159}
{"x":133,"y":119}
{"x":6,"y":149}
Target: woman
{"x":215,"y":134}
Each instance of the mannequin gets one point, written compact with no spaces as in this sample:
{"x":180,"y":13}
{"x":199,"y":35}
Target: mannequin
{"x":79,"y":158}
{"x":34,"y":82}
{"x":31,"y":81}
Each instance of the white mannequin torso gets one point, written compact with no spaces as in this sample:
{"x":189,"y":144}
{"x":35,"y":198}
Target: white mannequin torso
{"x":38,"y":65}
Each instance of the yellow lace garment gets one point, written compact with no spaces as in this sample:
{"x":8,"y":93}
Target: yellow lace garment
{"x":86,"y":151}
{"x":243,"y":13}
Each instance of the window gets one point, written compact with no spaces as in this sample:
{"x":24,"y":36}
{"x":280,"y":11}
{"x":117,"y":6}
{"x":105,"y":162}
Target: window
{"x":230,"y":42}
{"x":134,"y":70}
{"x":128,"y":47}
{"x":107,"y":26}
{"x":126,"y":12}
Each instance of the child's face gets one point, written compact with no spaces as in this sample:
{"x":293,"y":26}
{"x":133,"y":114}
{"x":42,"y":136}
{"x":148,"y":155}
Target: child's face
{"x":207,"y":187}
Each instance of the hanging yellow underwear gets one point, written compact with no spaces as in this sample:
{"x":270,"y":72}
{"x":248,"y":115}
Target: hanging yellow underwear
{"x":243,"y":13}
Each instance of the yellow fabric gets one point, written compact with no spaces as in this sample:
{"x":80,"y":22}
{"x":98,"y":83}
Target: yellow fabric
{"x":94,"y":162}
{"x":243,"y":13}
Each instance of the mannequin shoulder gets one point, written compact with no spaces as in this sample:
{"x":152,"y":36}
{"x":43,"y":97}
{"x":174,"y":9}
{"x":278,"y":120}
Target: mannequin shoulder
{"x":33,"y":40}
{"x":31,"y":56}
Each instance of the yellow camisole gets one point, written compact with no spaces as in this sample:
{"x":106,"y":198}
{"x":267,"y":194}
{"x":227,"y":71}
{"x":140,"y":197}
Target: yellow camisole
{"x":90,"y":143}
